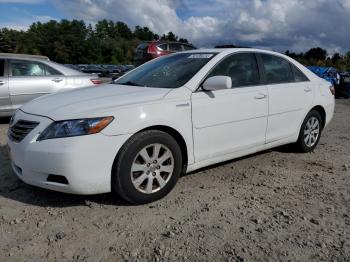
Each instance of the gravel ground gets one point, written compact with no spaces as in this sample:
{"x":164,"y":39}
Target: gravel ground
{"x":272,"y":206}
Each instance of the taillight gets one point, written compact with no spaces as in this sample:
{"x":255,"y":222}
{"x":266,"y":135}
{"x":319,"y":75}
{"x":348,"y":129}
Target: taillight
{"x":332,"y":89}
{"x":152,"y":49}
{"x":96,"y":81}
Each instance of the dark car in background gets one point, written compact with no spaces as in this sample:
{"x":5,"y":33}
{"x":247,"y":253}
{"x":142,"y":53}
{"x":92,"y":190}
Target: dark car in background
{"x":344,"y":90}
{"x":149,"y":50}
{"x":340,"y":81}
{"x":127,"y":68}
{"x":95,"y":69}
{"x":113,"y":70}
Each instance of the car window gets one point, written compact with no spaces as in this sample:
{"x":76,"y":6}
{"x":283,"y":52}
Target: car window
{"x":26,"y":68}
{"x":2,"y":67}
{"x":242,"y":68}
{"x":163,"y":47}
{"x":298,"y":75}
{"x":175,"y":47}
{"x":142,"y":46}
{"x":51,"y":71}
{"x":170,"y":71}
{"x":277,"y":69}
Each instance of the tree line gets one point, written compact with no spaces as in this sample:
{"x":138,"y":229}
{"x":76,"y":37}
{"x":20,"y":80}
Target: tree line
{"x":74,"y":42}
{"x":319,"y":57}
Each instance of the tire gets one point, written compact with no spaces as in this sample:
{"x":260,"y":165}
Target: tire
{"x":310,"y":132}
{"x":138,"y":175}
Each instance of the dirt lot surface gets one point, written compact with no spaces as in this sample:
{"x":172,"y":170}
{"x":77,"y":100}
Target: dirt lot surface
{"x":276,"y":205}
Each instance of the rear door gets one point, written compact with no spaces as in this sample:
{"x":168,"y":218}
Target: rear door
{"x":290,"y":96}
{"x":31,"y":79}
{"x":5,"y":102}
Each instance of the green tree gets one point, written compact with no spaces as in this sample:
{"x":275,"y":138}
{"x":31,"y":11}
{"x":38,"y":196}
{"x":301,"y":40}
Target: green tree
{"x":123,"y":30}
{"x":144,"y":34}
{"x":316,"y":53}
{"x":72,"y":41}
{"x":9,"y":40}
{"x":170,"y":36}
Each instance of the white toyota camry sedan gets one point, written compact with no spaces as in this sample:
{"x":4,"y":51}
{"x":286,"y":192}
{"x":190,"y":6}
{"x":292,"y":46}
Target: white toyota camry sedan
{"x":170,"y":116}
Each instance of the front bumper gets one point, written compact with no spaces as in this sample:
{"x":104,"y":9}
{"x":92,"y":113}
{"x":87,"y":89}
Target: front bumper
{"x":85,"y":161}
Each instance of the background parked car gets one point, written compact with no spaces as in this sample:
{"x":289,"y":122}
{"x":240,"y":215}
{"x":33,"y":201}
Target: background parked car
{"x":344,"y":86}
{"x":128,"y":68}
{"x":25,"y":77}
{"x":124,"y":69}
{"x":149,"y":50}
{"x":328,"y":73}
{"x":334,"y":77}
{"x":75,"y":67}
{"x":94,"y":69}
{"x":112,"y":70}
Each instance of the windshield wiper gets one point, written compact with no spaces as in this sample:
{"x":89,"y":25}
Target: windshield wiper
{"x":129,"y":83}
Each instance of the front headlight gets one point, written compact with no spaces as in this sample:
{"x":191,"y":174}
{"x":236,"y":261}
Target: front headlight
{"x":77,"y":127}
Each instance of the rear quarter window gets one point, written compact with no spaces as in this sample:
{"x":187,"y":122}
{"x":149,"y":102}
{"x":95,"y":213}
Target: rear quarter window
{"x":298,"y":75}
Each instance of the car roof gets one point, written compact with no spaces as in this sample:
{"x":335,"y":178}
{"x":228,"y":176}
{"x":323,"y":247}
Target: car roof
{"x":232,"y":50}
{"x":11,"y":55}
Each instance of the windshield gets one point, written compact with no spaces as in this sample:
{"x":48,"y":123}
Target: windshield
{"x":171,"y":71}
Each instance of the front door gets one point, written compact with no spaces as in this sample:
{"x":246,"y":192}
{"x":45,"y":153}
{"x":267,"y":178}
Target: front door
{"x":231,"y":120}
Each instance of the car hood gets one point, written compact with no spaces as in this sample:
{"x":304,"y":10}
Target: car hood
{"x":91,"y":101}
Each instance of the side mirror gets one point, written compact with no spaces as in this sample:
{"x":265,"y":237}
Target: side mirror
{"x":217,"y":83}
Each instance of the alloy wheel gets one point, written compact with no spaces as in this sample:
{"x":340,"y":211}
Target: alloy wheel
{"x":152,"y":168}
{"x":311,"y":131}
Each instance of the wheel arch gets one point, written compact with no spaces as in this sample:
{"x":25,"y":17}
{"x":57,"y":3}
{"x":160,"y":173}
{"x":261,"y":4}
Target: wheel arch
{"x":177,"y":136}
{"x":322,"y":112}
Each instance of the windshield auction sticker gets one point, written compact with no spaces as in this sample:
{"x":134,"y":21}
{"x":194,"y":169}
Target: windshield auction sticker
{"x":200,"y":56}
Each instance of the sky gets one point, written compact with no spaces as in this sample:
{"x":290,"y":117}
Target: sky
{"x":278,"y":25}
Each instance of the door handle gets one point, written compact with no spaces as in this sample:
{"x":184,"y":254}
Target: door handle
{"x":57,"y":80}
{"x":260,"y":96}
{"x":2,"y":83}
{"x":307,"y":89}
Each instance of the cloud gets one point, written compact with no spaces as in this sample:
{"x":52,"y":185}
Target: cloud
{"x":24,"y":22}
{"x":274,"y":24}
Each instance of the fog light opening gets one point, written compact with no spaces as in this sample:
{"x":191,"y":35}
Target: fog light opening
{"x":57,"y":179}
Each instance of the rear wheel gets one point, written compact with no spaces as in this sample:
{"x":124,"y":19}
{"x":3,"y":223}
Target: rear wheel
{"x":310,"y":132}
{"x":148,"y":167}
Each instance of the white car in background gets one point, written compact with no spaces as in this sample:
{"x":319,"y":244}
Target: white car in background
{"x":25,"y":77}
{"x":174,"y":114}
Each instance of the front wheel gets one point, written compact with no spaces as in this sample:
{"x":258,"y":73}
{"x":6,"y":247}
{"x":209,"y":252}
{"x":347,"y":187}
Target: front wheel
{"x":147,"y":167}
{"x":310,"y":132}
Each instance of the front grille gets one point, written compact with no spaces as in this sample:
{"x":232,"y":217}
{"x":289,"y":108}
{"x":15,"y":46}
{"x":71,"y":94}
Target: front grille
{"x":21,"y":129}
